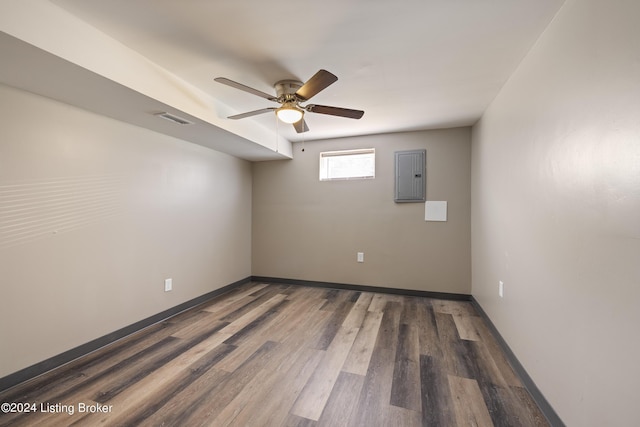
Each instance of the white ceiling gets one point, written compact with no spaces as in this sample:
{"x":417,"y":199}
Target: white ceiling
{"x":410,"y":64}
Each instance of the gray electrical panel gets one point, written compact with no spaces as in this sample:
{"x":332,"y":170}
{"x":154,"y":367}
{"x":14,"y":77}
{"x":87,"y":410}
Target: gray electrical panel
{"x":410,"y":176}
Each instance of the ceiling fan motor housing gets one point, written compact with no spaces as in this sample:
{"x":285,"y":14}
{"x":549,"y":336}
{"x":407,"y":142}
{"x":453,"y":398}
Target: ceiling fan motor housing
{"x":287,"y":87}
{"x":289,"y":112}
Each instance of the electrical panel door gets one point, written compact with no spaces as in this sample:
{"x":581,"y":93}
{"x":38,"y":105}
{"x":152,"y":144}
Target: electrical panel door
{"x":410,"y":176}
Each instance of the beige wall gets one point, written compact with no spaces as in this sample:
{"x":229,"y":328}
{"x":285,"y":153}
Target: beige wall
{"x":95,"y":214}
{"x":312,"y":230}
{"x":556,"y":212}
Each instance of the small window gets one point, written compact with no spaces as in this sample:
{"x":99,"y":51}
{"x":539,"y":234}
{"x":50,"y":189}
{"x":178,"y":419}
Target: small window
{"x":348,"y":164}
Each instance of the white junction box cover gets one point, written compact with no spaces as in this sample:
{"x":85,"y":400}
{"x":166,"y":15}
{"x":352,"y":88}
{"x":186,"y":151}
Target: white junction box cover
{"x":435,"y":211}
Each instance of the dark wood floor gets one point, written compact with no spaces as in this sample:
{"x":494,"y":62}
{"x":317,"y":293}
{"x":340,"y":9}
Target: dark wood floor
{"x":278,"y":355}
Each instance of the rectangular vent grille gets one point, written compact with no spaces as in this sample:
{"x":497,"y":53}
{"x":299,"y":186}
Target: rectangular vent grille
{"x":175,"y":119}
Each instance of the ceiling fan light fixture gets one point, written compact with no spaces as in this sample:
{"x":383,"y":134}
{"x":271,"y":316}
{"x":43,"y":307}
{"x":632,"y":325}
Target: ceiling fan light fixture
{"x":289,"y":113}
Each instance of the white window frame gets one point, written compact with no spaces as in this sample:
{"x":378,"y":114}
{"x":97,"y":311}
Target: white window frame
{"x":326,"y":156}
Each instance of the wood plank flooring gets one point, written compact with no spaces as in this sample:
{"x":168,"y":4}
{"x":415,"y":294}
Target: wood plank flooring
{"x":281,"y":355}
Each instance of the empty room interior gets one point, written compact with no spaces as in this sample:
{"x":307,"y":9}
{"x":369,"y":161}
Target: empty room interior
{"x":446,"y":233}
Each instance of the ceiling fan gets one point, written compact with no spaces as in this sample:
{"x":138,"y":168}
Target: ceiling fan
{"x":290,"y":94}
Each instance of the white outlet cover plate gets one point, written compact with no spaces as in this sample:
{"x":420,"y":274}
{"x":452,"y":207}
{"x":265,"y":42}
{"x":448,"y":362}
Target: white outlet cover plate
{"x":168,"y":285}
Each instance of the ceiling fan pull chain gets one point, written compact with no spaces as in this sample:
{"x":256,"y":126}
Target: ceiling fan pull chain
{"x":277,"y":132}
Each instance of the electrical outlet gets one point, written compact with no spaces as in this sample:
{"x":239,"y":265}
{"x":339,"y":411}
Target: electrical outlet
{"x":360,"y":257}
{"x":501,"y":289}
{"x":168,"y":285}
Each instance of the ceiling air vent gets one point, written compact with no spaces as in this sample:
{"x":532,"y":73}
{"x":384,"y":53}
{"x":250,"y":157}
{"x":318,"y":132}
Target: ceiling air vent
{"x":175,"y":119}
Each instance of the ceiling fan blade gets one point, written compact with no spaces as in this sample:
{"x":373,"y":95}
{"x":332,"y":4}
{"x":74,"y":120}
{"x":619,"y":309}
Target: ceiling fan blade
{"x":320,"y":81}
{"x":335,"y":111}
{"x":245,"y":88}
{"x":301,"y":126}
{"x":251,"y":113}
